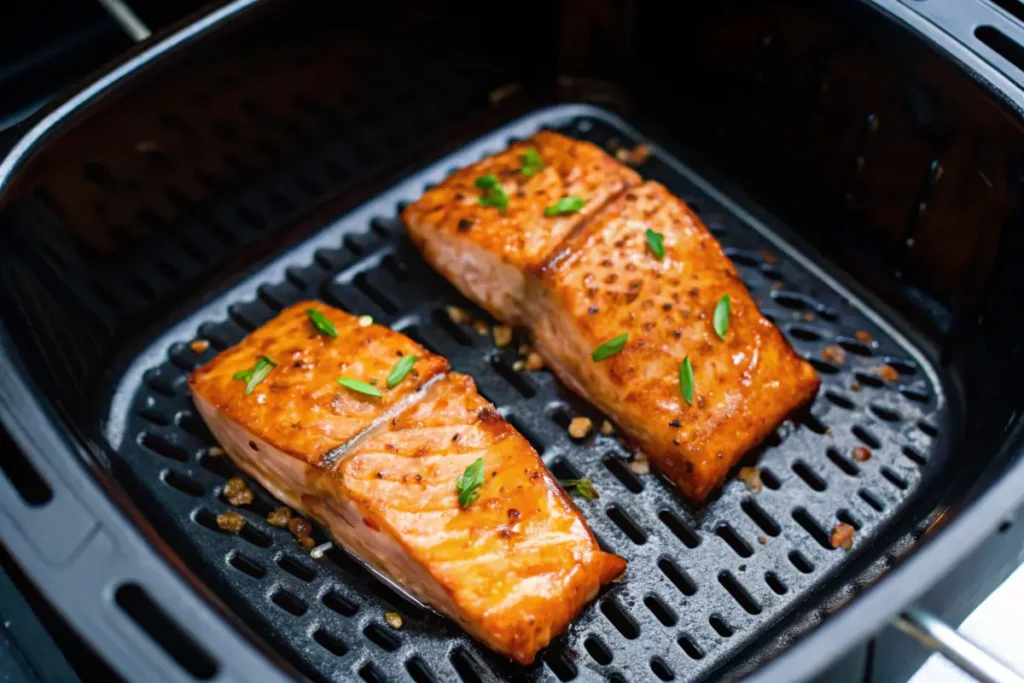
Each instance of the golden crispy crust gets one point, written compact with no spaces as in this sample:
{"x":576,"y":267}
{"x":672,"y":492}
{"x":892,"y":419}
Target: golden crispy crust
{"x":300,"y":408}
{"x":606,"y":281}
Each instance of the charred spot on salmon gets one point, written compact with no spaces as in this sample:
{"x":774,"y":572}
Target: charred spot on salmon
{"x":689,"y":466}
{"x":465,"y":225}
{"x":675,"y":423}
{"x":252,"y":445}
{"x":489,"y":415}
{"x":592,"y":310}
{"x":513,"y":514}
{"x":455,"y":437}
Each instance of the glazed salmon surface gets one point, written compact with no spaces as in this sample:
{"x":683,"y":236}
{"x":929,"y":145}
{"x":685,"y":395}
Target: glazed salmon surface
{"x":586,"y":279}
{"x":606,"y":281}
{"x":485,"y":251}
{"x":512,"y":568}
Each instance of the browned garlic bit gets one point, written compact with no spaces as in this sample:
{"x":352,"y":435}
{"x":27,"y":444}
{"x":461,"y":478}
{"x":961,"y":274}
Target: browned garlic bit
{"x":751,"y":476}
{"x":237,"y":492}
{"x":888,"y":373}
{"x":834,"y":353}
{"x":861,"y":454}
{"x":199,"y":345}
{"x":481,"y":328}
{"x":457,"y":315}
{"x":580,"y":427}
{"x":280,"y":516}
{"x":502,"y":335}
{"x":394,"y":619}
{"x":606,"y":428}
{"x":534,"y":362}
{"x":639,"y":464}
{"x":842,"y":536}
{"x":231,"y":522}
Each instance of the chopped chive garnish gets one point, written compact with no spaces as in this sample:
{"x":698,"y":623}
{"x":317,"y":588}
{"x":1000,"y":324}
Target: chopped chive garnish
{"x":321,"y":323}
{"x":686,"y":380}
{"x":584,"y":487}
{"x":361,"y":387}
{"x":655,"y":240}
{"x":401,"y":369}
{"x":469,"y":481}
{"x":255,"y":374}
{"x":532,"y":163}
{"x":494,"y":194}
{"x":565,"y":206}
{"x":721,"y":317}
{"x":610,"y":347}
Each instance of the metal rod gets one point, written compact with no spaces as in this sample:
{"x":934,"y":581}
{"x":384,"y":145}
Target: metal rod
{"x":934,"y":634}
{"x":128,"y":19}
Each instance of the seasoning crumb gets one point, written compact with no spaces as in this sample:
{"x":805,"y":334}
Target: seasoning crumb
{"x":237,"y":492}
{"x":199,"y":345}
{"x":606,"y":428}
{"x":365,"y":320}
{"x":863,"y":336}
{"x":622,"y":154}
{"x":300,"y":528}
{"x":394,"y":619}
{"x":842,"y":536}
{"x":318,"y":552}
{"x":776,"y":286}
{"x":639,"y":464}
{"x":482,"y":328}
{"x":231,"y":522}
{"x":580,"y":427}
{"x":854,"y":385}
{"x":637,"y":155}
{"x":808,"y":317}
{"x":751,"y":476}
{"x":762,"y":540}
{"x":457,"y":315}
{"x":888,"y":373}
{"x":502,"y":335}
{"x":834,"y":353}
{"x":280,"y":516}
{"x":861,"y":454}
{"x":534,"y":362}
{"x":215,"y":451}
{"x":767,"y":256}
{"x":306,"y":542}
{"x":519,"y":366}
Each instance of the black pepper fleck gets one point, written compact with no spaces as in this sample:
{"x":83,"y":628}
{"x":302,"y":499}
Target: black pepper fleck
{"x":465,"y":225}
{"x":675,"y":423}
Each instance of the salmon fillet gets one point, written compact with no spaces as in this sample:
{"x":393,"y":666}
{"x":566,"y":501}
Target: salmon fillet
{"x":486,"y":251}
{"x":578,"y":283}
{"x":512,"y":568}
{"x":605,"y":281}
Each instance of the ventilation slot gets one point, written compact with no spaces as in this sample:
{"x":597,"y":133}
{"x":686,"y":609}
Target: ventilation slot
{"x":465,"y":666}
{"x":839,"y":400}
{"x":559,"y":663}
{"x":162,"y":446}
{"x":246,"y":566}
{"x":690,"y":647}
{"x":775,"y":583}
{"x":720,"y":625}
{"x":597,"y":650}
{"x":855,"y":347}
{"x":804,"y":333}
{"x":378,"y":297}
{"x":914,"y":456}
{"x":378,"y":636}
{"x":802,"y":564}
{"x":418,"y":671}
{"x":680,"y":528}
{"x":760,"y":517}
{"x":914,"y":394}
{"x":296,"y":568}
{"x":515,"y":379}
{"x":884,"y":413}
{"x":872,"y":500}
{"x":660,"y":610}
{"x":622,"y":473}
{"x":182,"y":483}
{"x":626,"y":524}
{"x":811,"y":526}
{"x":824,"y":367}
{"x":842,"y":463}
{"x":193,"y":424}
{"x":661,"y":670}
{"x":769,"y":479}
{"x":895,"y":479}
{"x":329,"y":642}
{"x":928,"y":429}
{"x":866,"y":437}
{"x":220,"y":465}
{"x":289,"y":603}
{"x":23,"y":476}
{"x":733,"y":539}
{"x":165,"y":632}
{"x":368,"y":672}
{"x":678,"y":577}
{"x":809,"y":476}
{"x":564,"y":471}
{"x":620,"y":618}
{"x":845,"y":517}
{"x":869,"y":380}
{"x":337,"y":603}
{"x":739,"y":593}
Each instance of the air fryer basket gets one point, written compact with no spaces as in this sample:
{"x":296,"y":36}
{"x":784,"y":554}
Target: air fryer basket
{"x":266,"y":162}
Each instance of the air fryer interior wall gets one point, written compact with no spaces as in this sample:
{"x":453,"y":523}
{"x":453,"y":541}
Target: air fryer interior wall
{"x":844,"y":127}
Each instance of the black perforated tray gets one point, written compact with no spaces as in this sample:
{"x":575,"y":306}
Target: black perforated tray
{"x":702,"y":583}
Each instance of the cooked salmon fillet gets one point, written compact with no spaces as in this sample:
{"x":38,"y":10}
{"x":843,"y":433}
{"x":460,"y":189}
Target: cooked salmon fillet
{"x":605,"y":281}
{"x":513,"y":567}
{"x":576,"y":284}
{"x":486,"y":251}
